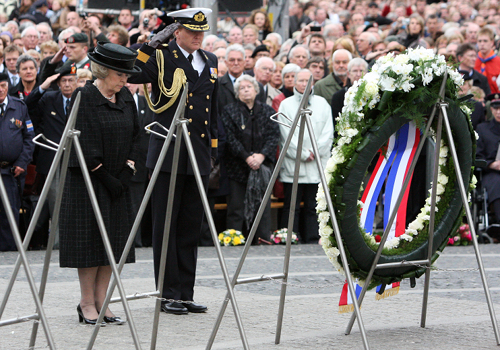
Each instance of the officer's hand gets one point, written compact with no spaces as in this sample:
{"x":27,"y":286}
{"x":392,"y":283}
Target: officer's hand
{"x":162,"y":37}
{"x":46,"y":84}
{"x":18,"y":171}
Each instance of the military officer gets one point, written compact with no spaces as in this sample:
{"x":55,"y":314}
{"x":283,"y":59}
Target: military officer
{"x":182,"y":58}
{"x":16,"y":150}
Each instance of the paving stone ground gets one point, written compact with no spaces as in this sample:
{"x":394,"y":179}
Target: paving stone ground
{"x":457,"y":316}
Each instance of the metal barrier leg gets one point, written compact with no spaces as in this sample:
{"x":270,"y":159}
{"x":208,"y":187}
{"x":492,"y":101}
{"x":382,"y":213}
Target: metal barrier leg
{"x":465,"y":201}
{"x":291,"y":219}
{"x":213,"y":231}
{"x":54,"y":224}
{"x":24,"y":259}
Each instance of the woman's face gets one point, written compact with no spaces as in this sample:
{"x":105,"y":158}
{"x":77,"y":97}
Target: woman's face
{"x":249,"y":36}
{"x":277,"y":80}
{"x":496,"y":113}
{"x":247,"y":92}
{"x":7,"y":39}
{"x":259,"y":20}
{"x":81,"y":82}
{"x":48,"y":52}
{"x":289,"y":81}
{"x":115,"y":80}
{"x":414,"y":27}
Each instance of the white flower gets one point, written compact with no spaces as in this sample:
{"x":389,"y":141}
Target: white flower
{"x":443,"y":152}
{"x":387,"y":83}
{"x":323,"y":217}
{"x":406,"y":86}
{"x":406,"y":237}
{"x":476,"y":134}
{"x":401,"y":59}
{"x":439,"y":189}
{"x":442,"y":179}
{"x":321,"y":206}
{"x":325,"y":232}
{"x":371,"y":89}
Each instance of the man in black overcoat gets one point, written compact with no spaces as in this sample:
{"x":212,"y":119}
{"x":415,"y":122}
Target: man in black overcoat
{"x":183,"y":57}
{"x":49,"y":111}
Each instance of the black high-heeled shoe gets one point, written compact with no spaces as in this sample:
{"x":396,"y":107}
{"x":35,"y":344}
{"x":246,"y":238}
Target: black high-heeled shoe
{"x":84,"y":320}
{"x":114,"y":320}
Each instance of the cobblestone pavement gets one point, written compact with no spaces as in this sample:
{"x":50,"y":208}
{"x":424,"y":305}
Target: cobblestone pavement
{"x":457,"y":316}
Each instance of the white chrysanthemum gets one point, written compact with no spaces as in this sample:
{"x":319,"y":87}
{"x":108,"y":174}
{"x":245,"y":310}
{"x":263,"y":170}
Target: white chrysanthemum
{"x":443,"y":152}
{"x":401,"y":59}
{"x":406,"y":237}
{"x":323,"y":217}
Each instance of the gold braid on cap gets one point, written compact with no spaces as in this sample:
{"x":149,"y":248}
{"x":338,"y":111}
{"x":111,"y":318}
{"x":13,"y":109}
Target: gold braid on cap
{"x":178,"y":82}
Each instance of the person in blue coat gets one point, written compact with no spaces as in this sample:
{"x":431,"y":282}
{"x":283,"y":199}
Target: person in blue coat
{"x":181,"y":60}
{"x":16,"y":151}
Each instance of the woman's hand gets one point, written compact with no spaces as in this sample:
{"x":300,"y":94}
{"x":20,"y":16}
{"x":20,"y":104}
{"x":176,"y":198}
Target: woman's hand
{"x":255,"y":160}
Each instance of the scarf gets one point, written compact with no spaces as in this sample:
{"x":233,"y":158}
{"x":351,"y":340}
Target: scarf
{"x":483,"y":60}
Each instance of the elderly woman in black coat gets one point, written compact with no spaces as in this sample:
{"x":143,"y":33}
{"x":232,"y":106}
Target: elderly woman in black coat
{"x":107,"y":119}
{"x":251,"y":143}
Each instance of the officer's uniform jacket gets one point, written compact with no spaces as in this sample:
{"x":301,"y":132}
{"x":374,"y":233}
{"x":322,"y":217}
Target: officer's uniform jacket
{"x":16,"y":135}
{"x":201,"y":105}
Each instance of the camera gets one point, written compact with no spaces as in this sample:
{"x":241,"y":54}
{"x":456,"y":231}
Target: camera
{"x":145,"y":22}
{"x":83,"y":15}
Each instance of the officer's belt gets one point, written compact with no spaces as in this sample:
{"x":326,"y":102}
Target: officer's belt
{"x":4,"y":165}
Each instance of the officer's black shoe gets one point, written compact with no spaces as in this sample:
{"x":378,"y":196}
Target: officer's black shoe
{"x":196,"y":308}
{"x":174,"y":308}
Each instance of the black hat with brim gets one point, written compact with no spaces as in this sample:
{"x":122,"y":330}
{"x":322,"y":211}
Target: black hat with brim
{"x":115,"y":57}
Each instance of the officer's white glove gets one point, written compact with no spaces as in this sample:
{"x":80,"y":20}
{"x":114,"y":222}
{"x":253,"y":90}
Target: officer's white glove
{"x":161,"y":37}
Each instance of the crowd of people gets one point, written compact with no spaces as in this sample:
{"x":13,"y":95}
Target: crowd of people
{"x":44,"y":48}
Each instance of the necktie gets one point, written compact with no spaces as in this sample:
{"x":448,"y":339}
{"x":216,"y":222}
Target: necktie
{"x":190,"y":58}
{"x":2,"y":107}
{"x":14,"y":80}
{"x":66,"y":108}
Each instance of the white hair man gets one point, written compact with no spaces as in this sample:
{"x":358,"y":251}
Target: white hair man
{"x":338,"y":79}
{"x":264,"y":70}
{"x":235,"y":62}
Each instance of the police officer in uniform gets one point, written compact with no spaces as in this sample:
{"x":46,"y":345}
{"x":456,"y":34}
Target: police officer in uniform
{"x":182,"y":60}
{"x":16,"y":150}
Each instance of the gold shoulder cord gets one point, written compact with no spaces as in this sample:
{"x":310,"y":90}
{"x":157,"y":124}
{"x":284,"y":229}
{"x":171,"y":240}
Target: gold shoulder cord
{"x":178,"y":81}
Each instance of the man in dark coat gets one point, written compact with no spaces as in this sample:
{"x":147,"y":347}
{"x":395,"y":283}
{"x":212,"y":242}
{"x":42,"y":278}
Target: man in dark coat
{"x":16,"y":150}
{"x":49,"y":111}
{"x":184,"y":57}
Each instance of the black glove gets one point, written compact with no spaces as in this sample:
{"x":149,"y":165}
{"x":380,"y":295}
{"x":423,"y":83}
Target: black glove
{"x":112,"y":184}
{"x":162,"y":37}
{"x":124,"y":176}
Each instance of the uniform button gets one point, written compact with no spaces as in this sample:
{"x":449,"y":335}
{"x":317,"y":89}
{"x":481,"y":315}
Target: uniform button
{"x":189,"y":133}
{"x":190,"y":120}
{"x":191,"y":95}
{"x":206,"y":109}
{"x":191,"y":107}
{"x":202,"y":135}
{"x":208,"y":97}
{"x":206,"y":122}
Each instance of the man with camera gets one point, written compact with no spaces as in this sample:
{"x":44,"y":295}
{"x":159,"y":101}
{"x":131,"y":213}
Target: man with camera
{"x":16,"y":150}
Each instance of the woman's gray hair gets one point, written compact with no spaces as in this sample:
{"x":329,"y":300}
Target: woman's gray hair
{"x":290,"y":68}
{"x":245,"y":77}
{"x":99,"y":71}
{"x":23,"y":59}
{"x":235,"y":47}
{"x":357,"y":61}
